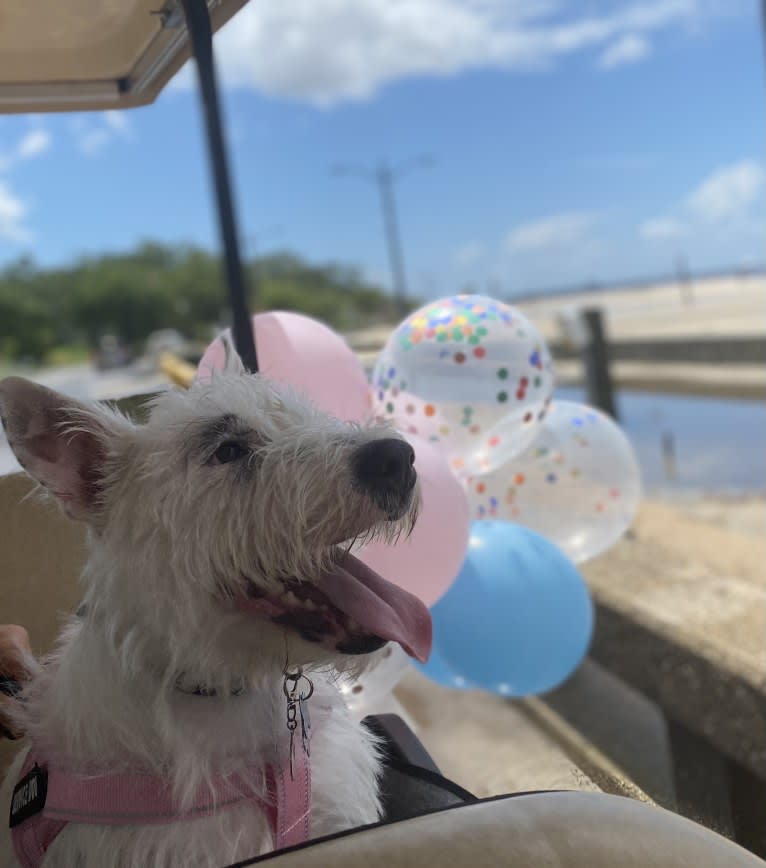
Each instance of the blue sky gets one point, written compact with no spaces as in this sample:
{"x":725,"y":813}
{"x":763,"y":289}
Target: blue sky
{"x":573,"y":141}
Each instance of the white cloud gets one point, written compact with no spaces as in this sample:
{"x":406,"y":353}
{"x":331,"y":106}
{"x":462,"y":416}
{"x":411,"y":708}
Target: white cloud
{"x":728,"y":192}
{"x":117,"y":120}
{"x":12,"y":213}
{"x":627,"y":49}
{"x":93,"y":134}
{"x":91,"y":142}
{"x":557,"y":230}
{"x":727,"y":201}
{"x":469,"y":253}
{"x":661,"y":228}
{"x":34,"y":143}
{"x":334,"y":50}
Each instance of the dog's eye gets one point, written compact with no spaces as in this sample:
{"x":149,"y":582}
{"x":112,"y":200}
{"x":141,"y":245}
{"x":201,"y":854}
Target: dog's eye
{"x":229,"y":451}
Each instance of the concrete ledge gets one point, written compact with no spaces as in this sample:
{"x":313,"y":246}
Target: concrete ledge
{"x":596,"y":765}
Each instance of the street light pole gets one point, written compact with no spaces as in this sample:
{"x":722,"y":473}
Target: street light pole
{"x":393,"y":240}
{"x":384,"y":177}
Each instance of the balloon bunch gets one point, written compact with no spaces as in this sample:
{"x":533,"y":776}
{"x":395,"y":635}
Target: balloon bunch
{"x":513,"y":484}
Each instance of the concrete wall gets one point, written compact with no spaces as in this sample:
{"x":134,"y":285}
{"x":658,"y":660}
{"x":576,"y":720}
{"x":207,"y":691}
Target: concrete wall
{"x":736,"y":351}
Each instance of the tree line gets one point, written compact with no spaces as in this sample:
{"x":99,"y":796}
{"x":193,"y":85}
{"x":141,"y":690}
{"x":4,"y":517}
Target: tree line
{"x":159,"y":286}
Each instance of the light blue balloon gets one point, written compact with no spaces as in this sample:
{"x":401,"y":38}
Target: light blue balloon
{"x":519,"y":618}
{"x":437,"y":670}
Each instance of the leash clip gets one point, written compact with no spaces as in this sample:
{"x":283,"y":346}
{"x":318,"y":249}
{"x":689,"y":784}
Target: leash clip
{"x":298,"y":689}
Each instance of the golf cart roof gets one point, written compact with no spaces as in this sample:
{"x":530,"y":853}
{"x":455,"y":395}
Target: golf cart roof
{"x":80,"y":55}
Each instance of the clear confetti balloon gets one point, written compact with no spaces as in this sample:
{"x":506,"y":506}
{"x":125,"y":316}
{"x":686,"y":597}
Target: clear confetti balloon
{"x":578,"y":484}
{"x":375,"y":684}
{"x":470,"y":373}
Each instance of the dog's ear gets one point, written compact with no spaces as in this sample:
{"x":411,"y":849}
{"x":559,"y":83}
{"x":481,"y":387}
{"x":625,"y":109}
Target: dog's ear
{"x":60,"y":442}
{"x":232,"y":363}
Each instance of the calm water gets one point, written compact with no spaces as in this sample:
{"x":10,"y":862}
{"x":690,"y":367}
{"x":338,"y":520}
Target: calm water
{"x":720,"y":445}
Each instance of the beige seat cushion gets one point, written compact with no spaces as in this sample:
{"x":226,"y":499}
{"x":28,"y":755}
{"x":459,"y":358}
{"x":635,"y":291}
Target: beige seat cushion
{"x":548,"y":830}
{"x":41,"y":555}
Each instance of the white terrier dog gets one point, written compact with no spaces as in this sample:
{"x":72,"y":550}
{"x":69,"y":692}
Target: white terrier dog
{"x":218,"y":566}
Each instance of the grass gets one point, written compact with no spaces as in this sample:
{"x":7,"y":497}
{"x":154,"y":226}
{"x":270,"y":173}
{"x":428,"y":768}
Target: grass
{"x":70,"y":354}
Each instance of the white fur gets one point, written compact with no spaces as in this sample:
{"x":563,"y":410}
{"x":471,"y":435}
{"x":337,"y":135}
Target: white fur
{"x":170,"y":537}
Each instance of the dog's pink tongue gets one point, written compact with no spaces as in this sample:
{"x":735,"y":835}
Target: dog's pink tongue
{"x":378,"y":606}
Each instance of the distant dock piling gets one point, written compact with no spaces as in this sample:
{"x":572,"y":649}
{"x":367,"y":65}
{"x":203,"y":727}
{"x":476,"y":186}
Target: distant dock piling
{"x":595,"y":352}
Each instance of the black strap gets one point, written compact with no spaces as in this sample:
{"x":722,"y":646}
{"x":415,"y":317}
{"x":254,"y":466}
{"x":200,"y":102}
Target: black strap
{"x":201,"y":34}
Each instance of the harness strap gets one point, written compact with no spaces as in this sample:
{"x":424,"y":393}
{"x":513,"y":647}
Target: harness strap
{"x":139,"y":799}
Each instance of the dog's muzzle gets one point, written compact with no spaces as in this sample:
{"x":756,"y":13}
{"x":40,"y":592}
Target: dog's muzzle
{"x":385,"y":470}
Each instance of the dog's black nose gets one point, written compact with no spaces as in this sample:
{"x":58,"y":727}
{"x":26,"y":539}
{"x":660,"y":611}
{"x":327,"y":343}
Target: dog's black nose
{"x":385,"y":468}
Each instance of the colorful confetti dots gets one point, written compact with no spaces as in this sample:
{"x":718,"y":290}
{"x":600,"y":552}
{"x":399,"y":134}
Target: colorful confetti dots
{"x":551,"y":477}
{"x":502,"y":397}
{"x":460,"y":358}
{"x":479,"y":352}
{"x":429,"y":410}
{"x":503,"y":373}
{"x":480,"y":487}
{"x":519,"y":479}
{"x":494,"y":441}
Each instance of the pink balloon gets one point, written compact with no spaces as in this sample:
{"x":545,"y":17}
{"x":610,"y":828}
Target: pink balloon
{"x":300,"y":352}
{"x":427,"y":563}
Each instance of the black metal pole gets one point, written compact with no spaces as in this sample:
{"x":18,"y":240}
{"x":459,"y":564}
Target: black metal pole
{"x":391,"y":224}
{"x":201,"y":34}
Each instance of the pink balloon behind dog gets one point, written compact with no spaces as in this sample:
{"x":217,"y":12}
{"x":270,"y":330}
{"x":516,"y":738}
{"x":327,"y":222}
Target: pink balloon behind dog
{"x":301,"y":352}
{"x":428,"y":562}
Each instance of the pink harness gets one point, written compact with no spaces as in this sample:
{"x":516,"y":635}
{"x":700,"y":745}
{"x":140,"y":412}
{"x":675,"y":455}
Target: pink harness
{"x":128,"y":799}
